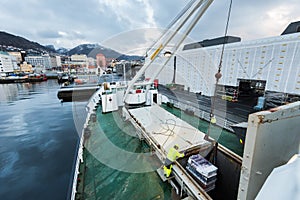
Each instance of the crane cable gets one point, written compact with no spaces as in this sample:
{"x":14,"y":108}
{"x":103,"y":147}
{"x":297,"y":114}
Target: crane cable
{"x":218,"y":75}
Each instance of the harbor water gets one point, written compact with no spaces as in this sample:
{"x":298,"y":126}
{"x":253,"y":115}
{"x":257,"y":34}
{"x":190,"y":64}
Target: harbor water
{"x":38,"y":141}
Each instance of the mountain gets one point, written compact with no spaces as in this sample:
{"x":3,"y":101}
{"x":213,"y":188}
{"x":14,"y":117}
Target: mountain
{"x":91,"y":50}
{"x":62,"y":50}
{"x":50,"y":46}
{"x":130,"y":58}
{"x":9,"y":42}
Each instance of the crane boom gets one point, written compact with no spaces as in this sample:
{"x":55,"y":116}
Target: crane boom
{"x":192,"y":16}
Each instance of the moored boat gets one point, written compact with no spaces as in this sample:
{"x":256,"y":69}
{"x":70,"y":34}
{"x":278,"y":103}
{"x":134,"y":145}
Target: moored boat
{"x":36,"y":77}
{"x":65,"y":77}
{"x":14,"y":79}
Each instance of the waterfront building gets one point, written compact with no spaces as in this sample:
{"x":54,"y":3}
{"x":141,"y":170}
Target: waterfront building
{"x":78,"y":58}
{"x":92,"y":68}
{"x":65,"y":63}
{"x":16,"y":59}
{"x":58,"y":61}
{"x":78,"y":63}
{"x":15,"y":63}
{"x":6,"y":64}
{"x":43,"y":62}
{"x":17,"y":55}
{"x":26,"y":67}
{"x":53,"y":62}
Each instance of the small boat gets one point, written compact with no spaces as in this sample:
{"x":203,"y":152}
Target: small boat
{"x":65,"y":77}
{"x":36,"y":77}
{"x":13,"y":79}
{"x":45,"y":78}
{"x":78,"y":81}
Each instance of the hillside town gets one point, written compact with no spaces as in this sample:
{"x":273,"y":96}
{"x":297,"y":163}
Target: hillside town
{"x":21,"y":62}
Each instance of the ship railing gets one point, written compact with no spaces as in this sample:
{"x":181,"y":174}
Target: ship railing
{"x":90,"y":108}
{"x":77,"y":165}
{"x":220,"y":121}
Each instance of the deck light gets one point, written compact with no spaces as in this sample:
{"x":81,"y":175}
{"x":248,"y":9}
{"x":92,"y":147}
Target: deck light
{"x":167,"y":54}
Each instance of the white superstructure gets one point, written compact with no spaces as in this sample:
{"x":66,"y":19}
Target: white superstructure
{"x":274,"y":60}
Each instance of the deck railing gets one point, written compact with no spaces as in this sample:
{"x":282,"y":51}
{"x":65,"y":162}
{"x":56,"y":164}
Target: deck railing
{"x":90,"y":108}
{"x":220,"y":121}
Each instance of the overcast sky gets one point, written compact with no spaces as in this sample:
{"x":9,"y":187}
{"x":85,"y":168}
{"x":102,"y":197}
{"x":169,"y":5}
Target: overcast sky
{"x":68,"y":23}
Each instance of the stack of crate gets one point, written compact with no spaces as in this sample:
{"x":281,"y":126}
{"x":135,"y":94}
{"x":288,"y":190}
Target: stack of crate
{"x":203,"y":171}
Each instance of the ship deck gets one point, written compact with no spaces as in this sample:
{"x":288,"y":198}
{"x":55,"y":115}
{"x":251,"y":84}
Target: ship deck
{"x":114,"y":166}
{"x":108,"y":173}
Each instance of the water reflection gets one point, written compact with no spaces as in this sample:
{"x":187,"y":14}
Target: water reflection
{"x":37,"y":142}
{"x":8,"y":92}
{"x":19,"y":91}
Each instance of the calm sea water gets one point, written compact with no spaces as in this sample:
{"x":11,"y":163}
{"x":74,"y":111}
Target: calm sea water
{"x":38,"y":141}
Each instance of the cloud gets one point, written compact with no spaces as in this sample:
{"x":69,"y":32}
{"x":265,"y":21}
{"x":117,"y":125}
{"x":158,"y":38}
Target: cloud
{"x":130,"y":14}
{"x":62,"y":34}
{"x":149,"y":13}
{"x":74,"y":34}
{"x":50,"y":34}
{"x":283,"y":15}
{"x":69,"y":23}
{"x":249,"y":20}
{"x":134,"y":41}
